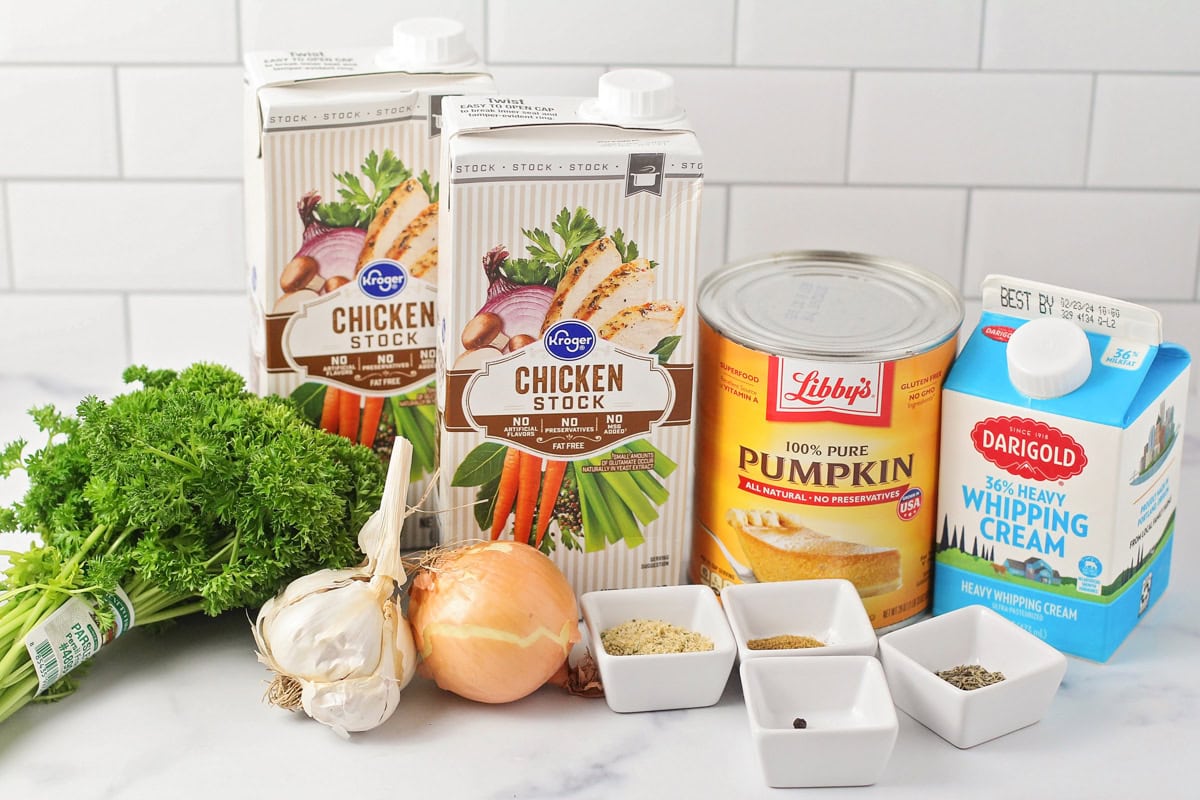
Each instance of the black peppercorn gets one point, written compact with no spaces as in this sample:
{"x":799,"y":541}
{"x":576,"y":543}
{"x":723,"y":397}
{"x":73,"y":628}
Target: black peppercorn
{"x":799,"y":723}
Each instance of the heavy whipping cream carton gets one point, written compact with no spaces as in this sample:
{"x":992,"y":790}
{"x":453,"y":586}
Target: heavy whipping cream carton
{"x":567,"y":327}
{"x":342,"y":188}
{"x":1062,"y":433}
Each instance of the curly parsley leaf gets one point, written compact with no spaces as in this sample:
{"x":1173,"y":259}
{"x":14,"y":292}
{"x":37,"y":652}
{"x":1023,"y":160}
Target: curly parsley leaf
{"x":359,"y":205}
{"x":531,"y":272}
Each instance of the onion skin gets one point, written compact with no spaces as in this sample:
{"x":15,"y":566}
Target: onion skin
{"x":523,"y":309}
{"x":335,"y":250}
{"x":493,"y":621}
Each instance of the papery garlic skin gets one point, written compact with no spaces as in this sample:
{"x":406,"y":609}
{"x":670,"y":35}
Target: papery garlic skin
{"x":341,"y":635}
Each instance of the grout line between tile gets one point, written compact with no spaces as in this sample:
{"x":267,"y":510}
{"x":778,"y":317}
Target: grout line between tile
{"x":849,"y":127}
{"x":486,"y":34}
{"x":962,"y":268}
{"x":982,"y":33}
{"x":7,"y":228}
{"x":1090,"y":134}
{"x":728,"y":224}
{"x":120,"y":134}
{"x":237,"y":31}
{"x":1196,"y":288}
{"x":127,"y":328}
{"x":733,"y":30}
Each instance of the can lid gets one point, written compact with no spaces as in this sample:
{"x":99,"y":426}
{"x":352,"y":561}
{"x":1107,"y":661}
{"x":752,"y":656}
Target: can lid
{"x":1048,"y":357}
{"x":831,"y":305}
{"x":429,"y":43}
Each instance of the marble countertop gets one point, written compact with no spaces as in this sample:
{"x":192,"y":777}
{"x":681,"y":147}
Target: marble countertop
{"x":180,"y":714}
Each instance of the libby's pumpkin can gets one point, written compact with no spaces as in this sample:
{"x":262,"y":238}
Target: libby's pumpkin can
{"x":818,"y":402}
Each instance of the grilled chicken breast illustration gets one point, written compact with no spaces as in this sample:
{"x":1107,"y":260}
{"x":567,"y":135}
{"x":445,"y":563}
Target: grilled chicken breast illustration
{"x":425,"y":267}
{"x":404,"y":203}
{"x":639,"y":328}
{"x":595,"y":263}
{"x":418,"y":237}
{"x":628,"y":285}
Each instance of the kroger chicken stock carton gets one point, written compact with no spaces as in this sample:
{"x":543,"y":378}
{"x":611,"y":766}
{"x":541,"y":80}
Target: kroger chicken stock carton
{"x":568,"y":327}
{"x":342,"y":232}
{"x":1062,"y":433}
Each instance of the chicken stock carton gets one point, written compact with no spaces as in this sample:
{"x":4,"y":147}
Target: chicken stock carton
{"x":568,"y":327}
{"x":1062,"y":432}
{"x":341,"y":188}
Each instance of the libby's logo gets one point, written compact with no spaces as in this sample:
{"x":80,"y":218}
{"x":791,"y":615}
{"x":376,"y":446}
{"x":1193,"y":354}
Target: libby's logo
{"x":855,"y":392}
{"x":1028,"y":448}
{"x":381,"y":279}
{"x":569,"y":340}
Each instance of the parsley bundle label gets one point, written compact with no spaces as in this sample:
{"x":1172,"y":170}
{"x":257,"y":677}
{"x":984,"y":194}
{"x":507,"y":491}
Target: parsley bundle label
{"x":568,"y":328}
{"x":74,"y":633}
{"x":342,"y":245}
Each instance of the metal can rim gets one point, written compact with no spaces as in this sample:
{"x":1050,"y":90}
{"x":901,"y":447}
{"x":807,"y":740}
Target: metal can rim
{"x":719,"y":313}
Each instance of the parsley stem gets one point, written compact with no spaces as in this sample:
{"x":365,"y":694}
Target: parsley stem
{"x":15,"y":697}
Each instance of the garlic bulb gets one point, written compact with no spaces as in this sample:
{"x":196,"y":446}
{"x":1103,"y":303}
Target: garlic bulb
{"x":338,"y":640}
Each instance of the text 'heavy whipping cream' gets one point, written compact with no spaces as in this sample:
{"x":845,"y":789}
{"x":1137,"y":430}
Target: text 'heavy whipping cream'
{"x":1061,"y":438}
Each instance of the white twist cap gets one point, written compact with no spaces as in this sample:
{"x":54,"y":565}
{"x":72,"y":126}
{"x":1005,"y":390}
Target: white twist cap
{"x":634,"y":96}
{"x":428,"y":43}
{"x":1048,"y":357}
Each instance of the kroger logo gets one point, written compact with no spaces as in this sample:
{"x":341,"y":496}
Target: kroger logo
{"x":381,"y":279}
{"x":570,"y":340}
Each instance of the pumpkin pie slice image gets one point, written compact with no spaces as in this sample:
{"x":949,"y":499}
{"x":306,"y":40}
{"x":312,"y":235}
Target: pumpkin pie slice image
{"x":780,"y":547}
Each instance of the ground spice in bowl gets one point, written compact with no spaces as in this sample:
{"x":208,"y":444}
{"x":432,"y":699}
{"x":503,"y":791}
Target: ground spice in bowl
{"x":969,"y":676}
{"x":641,"y":637}
{"x":785,"y":641}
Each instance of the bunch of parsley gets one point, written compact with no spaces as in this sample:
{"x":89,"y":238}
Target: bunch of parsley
{"x":189,"y":493}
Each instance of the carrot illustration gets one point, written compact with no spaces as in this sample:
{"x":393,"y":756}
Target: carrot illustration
{"x":329,"y":409}
{"x":527,"y":496}
{"x":506,"y":491}
{"x":372,"y":411}
{"x":348,"y":415}
{"x":551,"y":483}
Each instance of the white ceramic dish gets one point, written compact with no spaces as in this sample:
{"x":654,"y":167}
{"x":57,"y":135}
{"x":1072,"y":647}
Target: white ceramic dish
{"x":850,"y":721}
{"x":827,"y":610}
{"x":971,"y":635}
{"x":659,"y":682}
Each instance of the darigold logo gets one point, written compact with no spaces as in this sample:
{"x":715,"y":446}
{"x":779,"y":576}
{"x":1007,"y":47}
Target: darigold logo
{"x":381,"y":279}
{"x":570,"y":340}
{"x":1028,"y":448}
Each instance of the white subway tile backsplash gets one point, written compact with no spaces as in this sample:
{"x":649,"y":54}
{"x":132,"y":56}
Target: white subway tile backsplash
{"x":1134,"y":245}
{"x":579,"y":81}
{"x":146,"y":236}
{"x":1146,"y":131}
{"x":859,"y":33}
{"x":969,"y":128}
{"x":921,"y":226}
{"x":749,"y":128}
{"x":74,"y":337}
{"x":171,"y":331}
{"x":313,"y":24}
{"x":46,"y":109}
{"x":611,"y":32}
{"x":714,"y":210}
{"x":75,"y":31}
{"x":5,"y":269}
{"x":179,"y":122}
{"x":1114,"y":35}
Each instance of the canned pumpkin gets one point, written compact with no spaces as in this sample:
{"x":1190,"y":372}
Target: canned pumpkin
{"x":819,"y":399}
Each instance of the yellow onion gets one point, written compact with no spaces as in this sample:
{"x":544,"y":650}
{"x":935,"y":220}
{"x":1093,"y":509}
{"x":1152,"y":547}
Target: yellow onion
{"x":492,"y":621}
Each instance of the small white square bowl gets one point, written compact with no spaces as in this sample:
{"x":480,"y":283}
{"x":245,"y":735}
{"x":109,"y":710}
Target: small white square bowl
{"x":971,"y":635}
{"x":829,"y":610}
{"x":657,"y":682}
{"x":850,"y":721}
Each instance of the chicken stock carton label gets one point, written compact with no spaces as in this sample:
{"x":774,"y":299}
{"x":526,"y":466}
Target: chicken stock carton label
{"x":1060,"y":513}
{"x":376,"y":335}
{"x":342,"y":190}
{"x":567,"y":336}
